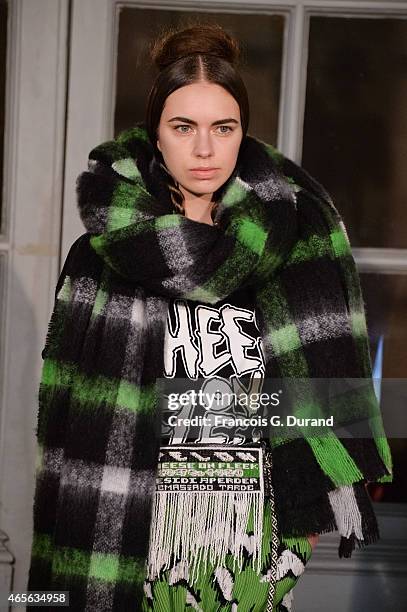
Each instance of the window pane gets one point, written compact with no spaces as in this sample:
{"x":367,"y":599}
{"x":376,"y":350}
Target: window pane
{"x":3,"y":58}
{"x":261,"y":38}
{"x":355,"y":129}
{"x":385,"y":297}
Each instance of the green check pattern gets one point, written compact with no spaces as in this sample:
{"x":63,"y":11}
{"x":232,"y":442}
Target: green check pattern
{"x":98,"y":429}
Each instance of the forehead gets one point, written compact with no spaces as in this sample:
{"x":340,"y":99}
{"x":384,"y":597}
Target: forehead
{"x":201,"y":102}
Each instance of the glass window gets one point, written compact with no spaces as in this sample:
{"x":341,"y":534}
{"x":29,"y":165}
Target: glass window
{"x":385,"y":297}
{"x":386,"y":307}
{"x":354,"y":142}
{"x":261,"y":38}
{"x":355,"y":125}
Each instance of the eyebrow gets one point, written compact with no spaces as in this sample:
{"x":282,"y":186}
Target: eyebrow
{"x":218,"y":122}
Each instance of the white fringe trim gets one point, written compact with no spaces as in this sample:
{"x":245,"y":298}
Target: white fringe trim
{"x":201,"y":526}
{"x":346,"y":510}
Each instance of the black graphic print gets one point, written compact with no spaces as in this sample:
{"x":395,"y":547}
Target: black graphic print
{"x":221,"y":347}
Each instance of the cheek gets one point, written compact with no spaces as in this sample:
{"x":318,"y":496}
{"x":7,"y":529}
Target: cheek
{"x":231,"y":154}
{"x":173,"y":162}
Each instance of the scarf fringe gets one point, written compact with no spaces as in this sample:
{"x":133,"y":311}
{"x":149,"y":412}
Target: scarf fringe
{"x":347,"y":512}
{"x":202,"y":527}
{"x":352,"y":515}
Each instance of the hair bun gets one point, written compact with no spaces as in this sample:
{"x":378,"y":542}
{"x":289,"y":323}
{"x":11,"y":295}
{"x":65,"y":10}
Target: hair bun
{"x":205,"y":38}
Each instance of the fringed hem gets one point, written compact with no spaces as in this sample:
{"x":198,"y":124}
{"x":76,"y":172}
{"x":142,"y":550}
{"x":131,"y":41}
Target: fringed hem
{"x":308,"y":501}
{"x":204,"y":527}
{"x":346,"y":509}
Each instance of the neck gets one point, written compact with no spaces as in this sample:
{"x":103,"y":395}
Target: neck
{"x":198,"y":207}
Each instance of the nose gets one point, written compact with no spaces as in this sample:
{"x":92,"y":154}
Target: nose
{"x":203,"y":145}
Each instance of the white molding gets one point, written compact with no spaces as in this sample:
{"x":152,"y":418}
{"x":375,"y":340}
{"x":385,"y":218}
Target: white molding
{"x":244,"y":6}
{"x":34,"y":150}
{"x":90,"y":99}
{"x":10,"y":95}
{"x":383,"y":261}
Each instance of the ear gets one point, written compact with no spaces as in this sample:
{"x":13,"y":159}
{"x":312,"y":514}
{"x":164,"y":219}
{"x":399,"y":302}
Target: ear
{"x":158,"y":145}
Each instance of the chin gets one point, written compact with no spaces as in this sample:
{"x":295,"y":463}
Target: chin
{"x":209,"y":184}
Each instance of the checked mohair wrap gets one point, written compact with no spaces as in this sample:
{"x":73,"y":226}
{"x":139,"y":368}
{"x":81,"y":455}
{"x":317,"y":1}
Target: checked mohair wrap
{"x":99,"y":422}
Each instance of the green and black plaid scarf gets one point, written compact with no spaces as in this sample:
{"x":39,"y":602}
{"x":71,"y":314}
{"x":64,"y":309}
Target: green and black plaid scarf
{"x":98,"y":422}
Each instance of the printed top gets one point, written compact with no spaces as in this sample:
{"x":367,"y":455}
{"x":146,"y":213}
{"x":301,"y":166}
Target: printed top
{"x":212,"y":348}
{"x":210,"y":485}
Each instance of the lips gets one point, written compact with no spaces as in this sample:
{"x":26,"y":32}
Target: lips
{"x":203,"y":172}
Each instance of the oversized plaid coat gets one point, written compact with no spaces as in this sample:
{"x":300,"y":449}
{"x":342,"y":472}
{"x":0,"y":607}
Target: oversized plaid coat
{"x":98,"y":432}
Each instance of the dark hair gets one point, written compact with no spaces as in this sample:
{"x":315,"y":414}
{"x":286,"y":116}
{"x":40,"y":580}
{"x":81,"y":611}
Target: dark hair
{"x":198,"y":52}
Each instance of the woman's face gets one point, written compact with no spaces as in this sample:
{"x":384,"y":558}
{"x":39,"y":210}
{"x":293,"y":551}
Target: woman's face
{"x":200,"y":127}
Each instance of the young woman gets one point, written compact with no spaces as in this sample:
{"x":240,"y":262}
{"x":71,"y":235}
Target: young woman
{"x":212,"y":260}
